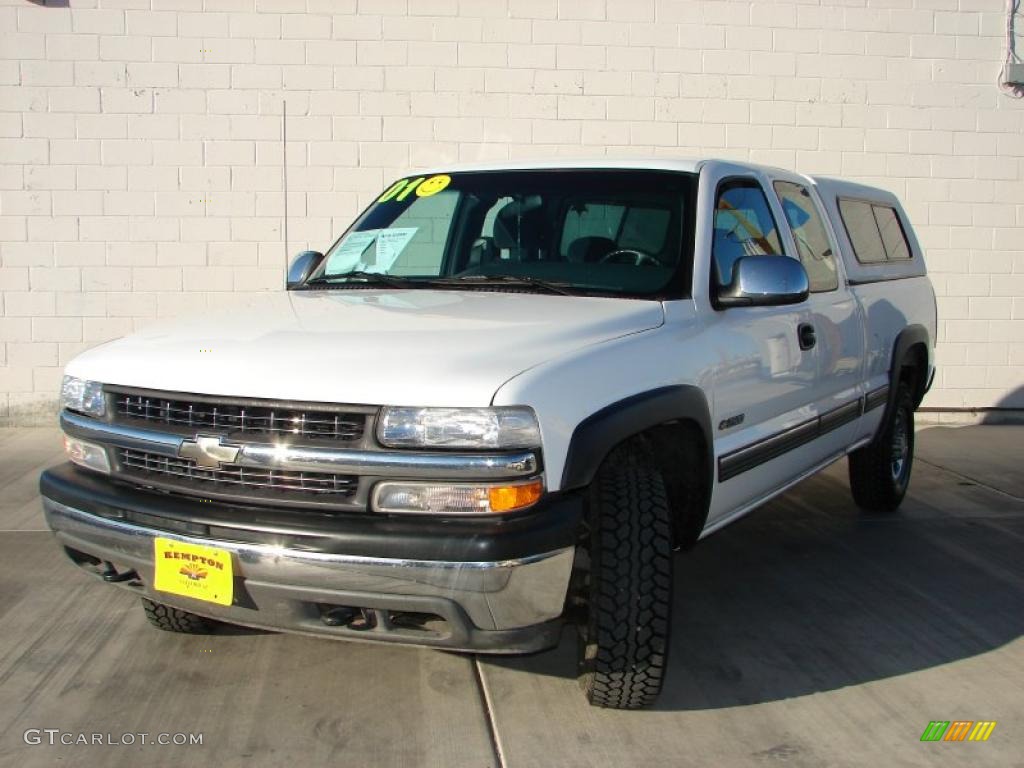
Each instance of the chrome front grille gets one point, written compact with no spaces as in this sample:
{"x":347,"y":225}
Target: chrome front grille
{"x":235,"y":417}
{"x":185,"y":475}
{"x":305,"y":455}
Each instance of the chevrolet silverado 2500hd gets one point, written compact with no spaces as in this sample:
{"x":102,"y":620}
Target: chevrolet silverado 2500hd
{"x":500,"y":401}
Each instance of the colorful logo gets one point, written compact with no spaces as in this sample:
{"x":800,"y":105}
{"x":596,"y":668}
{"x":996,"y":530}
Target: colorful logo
{"x":193,"y":572}
{"x":958,"y":730}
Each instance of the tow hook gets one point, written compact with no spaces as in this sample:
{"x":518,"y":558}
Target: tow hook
{"x":110,"y":575}
{"x":352,"y":618}
{"x":338,"y":616}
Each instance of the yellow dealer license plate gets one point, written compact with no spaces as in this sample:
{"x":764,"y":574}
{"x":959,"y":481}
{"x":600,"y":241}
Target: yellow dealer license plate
{"x":192,"y":570}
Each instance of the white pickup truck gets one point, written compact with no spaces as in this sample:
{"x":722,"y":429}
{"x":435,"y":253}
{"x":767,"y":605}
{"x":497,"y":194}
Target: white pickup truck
{"x":499,"y":403}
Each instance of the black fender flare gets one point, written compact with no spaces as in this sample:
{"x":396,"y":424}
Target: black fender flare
{"x":595,"y":436}
{"x":908,"y":337}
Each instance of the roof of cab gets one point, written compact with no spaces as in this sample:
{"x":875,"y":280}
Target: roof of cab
{"x":830,"y":189}
{"x":680,"y":164}
{"x":684,"y":165}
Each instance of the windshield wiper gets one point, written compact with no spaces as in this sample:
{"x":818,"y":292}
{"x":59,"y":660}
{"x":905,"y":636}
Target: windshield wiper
{"x":392,"y":281}
{"x":399,"y":281}
{"x":531,"y":282}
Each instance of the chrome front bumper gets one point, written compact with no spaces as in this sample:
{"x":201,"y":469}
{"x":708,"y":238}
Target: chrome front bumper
{"x":510,"y":606}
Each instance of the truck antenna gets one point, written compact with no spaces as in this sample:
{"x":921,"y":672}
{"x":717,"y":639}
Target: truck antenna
{"x":284,"y":171}
{"x":284,"y":177}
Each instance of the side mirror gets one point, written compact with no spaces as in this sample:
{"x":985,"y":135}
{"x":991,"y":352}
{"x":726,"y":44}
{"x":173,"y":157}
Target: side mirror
{"x":302,"y":267}
{"x":764,"y":281}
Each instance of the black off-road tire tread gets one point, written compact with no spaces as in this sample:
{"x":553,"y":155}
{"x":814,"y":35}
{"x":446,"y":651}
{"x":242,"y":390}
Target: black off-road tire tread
{"x":631,"y":589}
{"x":871,"y":482}
{"x":176,"y":620}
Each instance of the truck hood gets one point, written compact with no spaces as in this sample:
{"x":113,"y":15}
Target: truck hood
{"x":401,"y":347}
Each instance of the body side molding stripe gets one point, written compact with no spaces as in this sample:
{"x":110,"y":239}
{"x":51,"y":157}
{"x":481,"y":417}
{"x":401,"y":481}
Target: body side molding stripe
{"x":754,"y":455}
{"x":880,"y":279}
{"x":876,"y":398}
{"x":844,"y":414}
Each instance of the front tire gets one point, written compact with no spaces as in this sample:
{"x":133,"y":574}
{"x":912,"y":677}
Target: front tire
{"x":880,"y":471}
{"x":626,"y":641}
{"x":176,"y":620}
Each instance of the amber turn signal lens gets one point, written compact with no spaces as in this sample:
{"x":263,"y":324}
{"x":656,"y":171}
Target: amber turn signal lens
{"x":454,"y":499}
{"x":505,"y":498}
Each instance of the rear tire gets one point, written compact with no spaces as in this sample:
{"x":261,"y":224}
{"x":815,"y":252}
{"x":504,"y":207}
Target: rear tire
{"x":176,"y":620}
{"x":880,"y":471}
{"x":624,"y":654}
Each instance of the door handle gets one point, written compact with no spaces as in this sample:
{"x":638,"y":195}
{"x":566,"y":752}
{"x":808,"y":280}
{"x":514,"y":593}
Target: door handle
{"x":806,"y":336}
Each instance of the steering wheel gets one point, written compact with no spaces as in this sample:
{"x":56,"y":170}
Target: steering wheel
{"x":633,"y":256}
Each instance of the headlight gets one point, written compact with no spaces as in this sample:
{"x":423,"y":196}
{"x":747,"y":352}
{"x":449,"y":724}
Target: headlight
{"x":455,"y":498}
{"x":82,"y":396}
{"x":499,"y":427}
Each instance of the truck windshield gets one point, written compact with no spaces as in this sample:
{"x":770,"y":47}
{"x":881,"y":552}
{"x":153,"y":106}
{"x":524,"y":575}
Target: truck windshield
{"x":567,"y":231}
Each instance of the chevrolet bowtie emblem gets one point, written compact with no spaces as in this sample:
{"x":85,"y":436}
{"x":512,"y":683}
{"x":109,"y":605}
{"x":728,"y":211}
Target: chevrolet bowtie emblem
{"x":208,"y":451}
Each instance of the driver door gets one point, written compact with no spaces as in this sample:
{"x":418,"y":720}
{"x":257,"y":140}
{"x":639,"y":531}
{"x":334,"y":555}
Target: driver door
{"x":764,"y":379}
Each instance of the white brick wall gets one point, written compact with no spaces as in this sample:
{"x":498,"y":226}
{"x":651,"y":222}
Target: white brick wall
{"x":140,"y":139}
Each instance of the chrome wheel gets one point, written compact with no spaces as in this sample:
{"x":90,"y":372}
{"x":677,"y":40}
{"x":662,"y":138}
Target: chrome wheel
{"x":880,"y":471}
{"x":900,"y":446}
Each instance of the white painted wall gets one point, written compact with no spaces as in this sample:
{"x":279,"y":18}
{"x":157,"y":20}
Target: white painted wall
{"x":140,"y":154}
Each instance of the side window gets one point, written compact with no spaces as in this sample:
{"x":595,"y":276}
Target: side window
{"x":893,"y":239}
{"x":810,"y":235}
{"x":863,"y":231}
{"x":874,"y":230}
{"x":744,"y":226}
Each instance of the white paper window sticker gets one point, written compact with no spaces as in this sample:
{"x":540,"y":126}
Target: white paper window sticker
{"x":349,"y":253}
{"x":390,"y":244}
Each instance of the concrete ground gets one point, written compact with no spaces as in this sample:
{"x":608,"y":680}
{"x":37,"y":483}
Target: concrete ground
{"x":805,"y":635}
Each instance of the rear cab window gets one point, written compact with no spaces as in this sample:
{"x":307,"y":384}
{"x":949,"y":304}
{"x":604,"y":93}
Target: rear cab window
{"x":893,"y":238}
{"x":875,"y":231}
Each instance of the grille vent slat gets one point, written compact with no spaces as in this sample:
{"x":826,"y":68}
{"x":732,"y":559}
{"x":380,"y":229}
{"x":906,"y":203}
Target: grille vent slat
{"x":140,"y":464}
{"x":249,"y":419}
